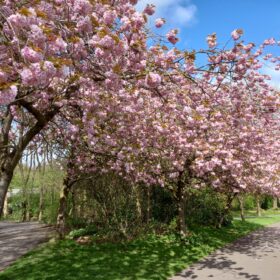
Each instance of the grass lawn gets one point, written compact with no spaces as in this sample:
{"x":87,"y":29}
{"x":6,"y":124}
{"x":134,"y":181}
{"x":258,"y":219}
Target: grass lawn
{"x":252,"y":213}
{"x":149,"y":258}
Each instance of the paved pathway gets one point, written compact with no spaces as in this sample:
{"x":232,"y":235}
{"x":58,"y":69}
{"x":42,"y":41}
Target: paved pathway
{"x":16,"y":239}
{"x":254,"y":257}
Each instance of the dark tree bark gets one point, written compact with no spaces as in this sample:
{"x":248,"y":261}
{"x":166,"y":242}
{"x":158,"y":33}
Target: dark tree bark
{"x":62,"y":210}
{"x":227,"y":209}
{"x":181,"y":208}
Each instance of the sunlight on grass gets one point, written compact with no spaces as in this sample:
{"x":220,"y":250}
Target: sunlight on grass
{"x":153,"y":257}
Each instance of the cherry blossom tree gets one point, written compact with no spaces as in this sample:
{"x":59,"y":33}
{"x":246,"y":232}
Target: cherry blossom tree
{"x":82,"y":73}
{"x":215,"y":125}
{"x":52,"y":53}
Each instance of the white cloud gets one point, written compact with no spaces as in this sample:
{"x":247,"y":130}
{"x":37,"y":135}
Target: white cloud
{"x":178,"y":13}
{"x":185,"y":15}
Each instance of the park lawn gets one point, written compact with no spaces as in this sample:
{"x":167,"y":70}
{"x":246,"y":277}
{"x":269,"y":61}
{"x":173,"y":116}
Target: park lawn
{"x":252,"y":213}
{"x":150,"y":258}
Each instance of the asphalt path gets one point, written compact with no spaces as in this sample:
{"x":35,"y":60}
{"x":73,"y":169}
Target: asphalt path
{"x":253,"y":257}
{"x":16,"y":239}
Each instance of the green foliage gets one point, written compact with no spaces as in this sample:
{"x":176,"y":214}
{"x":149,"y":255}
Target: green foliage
{"x":163,"y":205}
{"x":31,"y":184}
{"x":151,"y":257}
{"x":89,"y":230}
{"x":207,"y":207}
{"x":249,"y":203}
{"x":267,"y":202}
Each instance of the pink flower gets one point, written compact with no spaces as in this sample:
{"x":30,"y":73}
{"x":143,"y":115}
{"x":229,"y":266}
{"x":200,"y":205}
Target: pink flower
{"x":109,"y":17}
{"x":160,"y":22}
{"x":153,"y":80}
{"x":107,"y":42}
{"x":172,"y":36}
{"x":84,"y":25}
{"x":270,"y":41}
{"x":211,"y":40}
{"x":83,"y":7}
{"x":8,"y":95}
{"x":236,"y":34}
{"x":149,"y":10}
{"x":3,"y":77}
{"x":26,"y":76}
{"x":30,"y":55}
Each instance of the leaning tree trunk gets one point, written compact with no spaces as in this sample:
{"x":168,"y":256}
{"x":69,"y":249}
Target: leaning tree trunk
{"x":62,"y":210}
{"x":6,"y":207}
{"x":5,"y":180}
{"x":226,"y":210}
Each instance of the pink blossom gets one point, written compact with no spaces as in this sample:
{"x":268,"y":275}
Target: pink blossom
{"x":26,"y":76}
{"x":172,"y":36}
{"x":107,"y":42}
{"x":84,"y":25}
{"x":160,"y":22}
{"x":3,"y":77}
{"x":83,"y":7}
{"x":150,"y":9}
{"x":133,"y":2}
{"x":270,"y":41}
{"x":211,"y":40}
{"x":236,"y":34}
{"x":30,"y":55}
{"x":153,"y":80}
{"x":109,"y":17}
{"x":8,"y":95}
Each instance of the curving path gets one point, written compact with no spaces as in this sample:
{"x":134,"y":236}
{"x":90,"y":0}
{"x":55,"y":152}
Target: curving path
{"x":253,"y":257}
{"x":16,"y":239}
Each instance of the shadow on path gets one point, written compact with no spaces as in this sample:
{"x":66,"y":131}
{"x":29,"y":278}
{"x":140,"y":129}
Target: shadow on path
{"x":253,"y":257}
{"x":16,"y":239}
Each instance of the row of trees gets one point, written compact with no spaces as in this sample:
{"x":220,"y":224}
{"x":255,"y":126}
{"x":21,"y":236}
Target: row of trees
{"x":86,"y":78}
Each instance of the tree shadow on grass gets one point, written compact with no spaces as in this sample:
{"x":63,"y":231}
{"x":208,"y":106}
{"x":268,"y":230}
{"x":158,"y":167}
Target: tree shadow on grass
{"x":151,"y":258}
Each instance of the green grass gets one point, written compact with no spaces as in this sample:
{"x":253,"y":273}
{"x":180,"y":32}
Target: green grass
{"x":150,"y":258}
{"x":252,"y":213}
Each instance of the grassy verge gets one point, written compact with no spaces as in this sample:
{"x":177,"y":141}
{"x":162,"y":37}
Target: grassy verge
{"x":149,"y":258}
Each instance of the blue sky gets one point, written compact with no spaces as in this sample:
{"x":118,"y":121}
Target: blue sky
{"x":197,"y":18}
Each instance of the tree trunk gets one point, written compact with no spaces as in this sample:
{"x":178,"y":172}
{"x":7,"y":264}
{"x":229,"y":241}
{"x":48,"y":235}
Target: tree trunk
{"x":5,"y":180}
{"x":241,"y":204}
{"x":181,"y":208}
{"x":61,"y":217}
{"x":41,"y":204}
{"x":148,"y":213}
{"x":73,"y":210}
{"x":24,"y":211}
{"x":227,"y":209}
{"x":275,"y":203}
{"x":6,"y":207}
{"x":137,"y":202}
{"x":258,"y":206}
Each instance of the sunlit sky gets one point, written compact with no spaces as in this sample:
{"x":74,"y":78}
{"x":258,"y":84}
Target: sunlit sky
{"x":197,"y":18}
